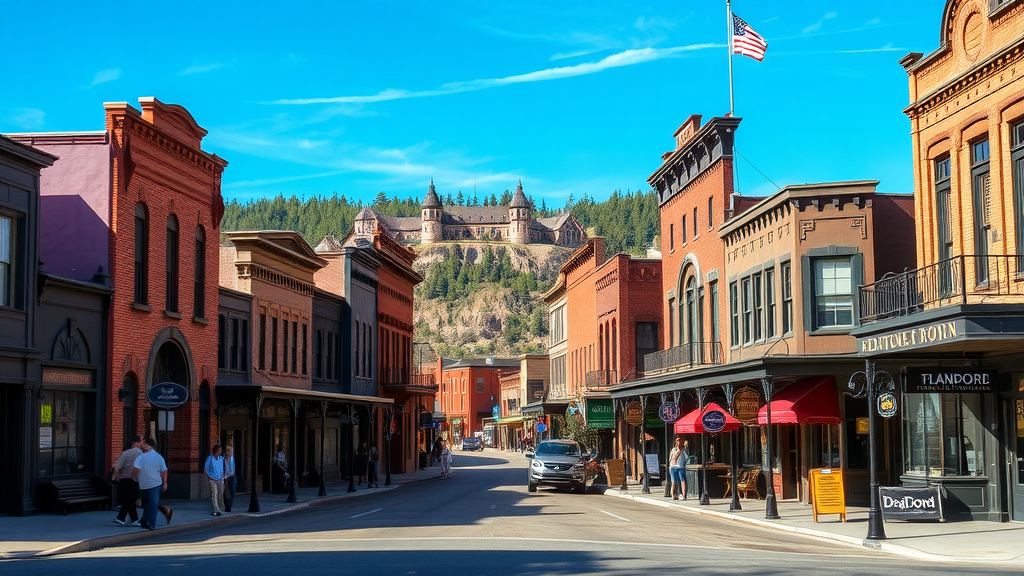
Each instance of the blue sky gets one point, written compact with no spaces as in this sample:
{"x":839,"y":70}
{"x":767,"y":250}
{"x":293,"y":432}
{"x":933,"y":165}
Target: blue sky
{"x":572,"y":97}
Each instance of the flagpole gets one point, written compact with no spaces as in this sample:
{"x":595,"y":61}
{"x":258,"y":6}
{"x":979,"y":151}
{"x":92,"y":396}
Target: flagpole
{"x":728,"y":17}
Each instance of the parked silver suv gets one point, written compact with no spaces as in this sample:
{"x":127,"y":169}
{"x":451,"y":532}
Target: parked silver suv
{"x":558,"y":463}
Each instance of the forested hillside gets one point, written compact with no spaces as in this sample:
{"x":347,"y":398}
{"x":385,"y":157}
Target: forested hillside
{"x":477,"y":298}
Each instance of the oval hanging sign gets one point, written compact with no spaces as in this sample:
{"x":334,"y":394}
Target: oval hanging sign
{"x":634,"y":413}
{"x":713,"y":421}
{"x":887,"y":405}
{"x":745,"y":405}
{"x":167,"y":395}
{"x":669,"y":412}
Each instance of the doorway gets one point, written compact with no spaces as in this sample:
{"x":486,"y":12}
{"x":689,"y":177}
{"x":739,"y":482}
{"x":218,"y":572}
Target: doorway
{"x":1015,"y":454}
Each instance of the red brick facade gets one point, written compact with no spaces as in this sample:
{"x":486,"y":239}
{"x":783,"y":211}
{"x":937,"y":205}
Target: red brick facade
{"x":157,"y":163}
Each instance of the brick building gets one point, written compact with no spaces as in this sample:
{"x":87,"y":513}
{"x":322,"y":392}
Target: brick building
{"x":140,"y":201}
{"x":965,"y":300}
{"x":469,"y":391}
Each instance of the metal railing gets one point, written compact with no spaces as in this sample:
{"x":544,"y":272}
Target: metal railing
{"x":684,"y":356}
{"x":425,"y":380}
{"x":958,"y":280}
{"x":601,"y":379}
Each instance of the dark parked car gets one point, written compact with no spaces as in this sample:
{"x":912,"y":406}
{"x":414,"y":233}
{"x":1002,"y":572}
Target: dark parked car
{"x":558,"y":463}
{"x":472,"y":443}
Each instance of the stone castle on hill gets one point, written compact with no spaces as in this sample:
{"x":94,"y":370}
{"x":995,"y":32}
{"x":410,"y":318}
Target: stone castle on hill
{"x":438,"y":223}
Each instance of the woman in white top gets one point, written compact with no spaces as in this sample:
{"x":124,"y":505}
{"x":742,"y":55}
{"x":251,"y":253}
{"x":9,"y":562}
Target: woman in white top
{"x":677,"y":467}
{"x":446,"y":460}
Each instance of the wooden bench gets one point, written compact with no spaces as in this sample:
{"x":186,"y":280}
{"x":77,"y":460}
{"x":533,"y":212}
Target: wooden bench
{"x":63,"y":494}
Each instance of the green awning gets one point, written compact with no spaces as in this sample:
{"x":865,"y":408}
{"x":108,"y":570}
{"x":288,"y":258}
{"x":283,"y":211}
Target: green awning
{"x":600,"y":413}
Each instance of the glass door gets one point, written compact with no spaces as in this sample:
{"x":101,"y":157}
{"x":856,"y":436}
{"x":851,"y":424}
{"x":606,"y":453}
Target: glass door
{"x":1016,"y":454}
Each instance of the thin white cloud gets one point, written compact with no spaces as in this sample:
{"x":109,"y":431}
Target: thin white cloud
{"x":577,"y":54}
{"x":203,"y":68}
{"x":618,"y":60}
{"x":887,"y":48}
{"x":649,"y":24}
{"x":26,"y":118}
{"x":817,"y":25}
{"x":105,"y":76}
{"x":873,"y":22}
{"x":770,"y":20}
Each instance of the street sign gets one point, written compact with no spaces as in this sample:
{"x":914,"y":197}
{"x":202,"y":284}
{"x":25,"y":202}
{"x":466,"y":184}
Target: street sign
{"x":668,"y":412}
{"x":887,"y":405}
{"x":167,"y":395}
{"x":541,"y":427}
{"x":713,"y":421}
{"x":634,"y":413}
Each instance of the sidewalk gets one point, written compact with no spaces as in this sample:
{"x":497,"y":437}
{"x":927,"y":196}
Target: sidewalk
{"x":973,"y":542}
{"x":51,"y":534}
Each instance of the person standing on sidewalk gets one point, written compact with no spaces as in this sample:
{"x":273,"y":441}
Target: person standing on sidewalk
{"x":677,"y":468}
{"x":362,"y":459}
{"x":127,"y":487}
{"x":374,"y":462}
{"x":446,"y":460}
{"x":230,"y":480}
{"x":214,"y":470}
{"x":150,"y":471}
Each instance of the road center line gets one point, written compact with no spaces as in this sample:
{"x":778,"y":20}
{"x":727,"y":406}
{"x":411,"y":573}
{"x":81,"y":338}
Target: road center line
{"x":615,"y":516}
{"x":365,"y":513}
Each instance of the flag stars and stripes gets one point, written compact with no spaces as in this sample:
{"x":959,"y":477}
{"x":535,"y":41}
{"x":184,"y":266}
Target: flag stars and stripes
{"x":745,"y":41}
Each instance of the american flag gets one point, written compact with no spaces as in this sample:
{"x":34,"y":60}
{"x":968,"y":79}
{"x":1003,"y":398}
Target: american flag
{"x":745,"y":41}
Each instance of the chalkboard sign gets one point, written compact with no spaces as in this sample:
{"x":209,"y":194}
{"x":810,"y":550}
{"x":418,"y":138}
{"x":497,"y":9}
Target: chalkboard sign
{"x":615,"y":469}
{"x":652,"y":465}
{"x":911,"y":503}
{"x":828,"y":492}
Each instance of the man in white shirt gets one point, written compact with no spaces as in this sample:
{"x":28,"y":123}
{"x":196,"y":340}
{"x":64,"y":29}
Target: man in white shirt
{"x":151,"y":474}
{"x":215,"y":474}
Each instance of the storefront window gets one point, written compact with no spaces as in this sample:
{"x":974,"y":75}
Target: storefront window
{"x":943,"y":435}
{"x":824,"y":445}
{"x":65,"y":434}
{"x":750,"y":446}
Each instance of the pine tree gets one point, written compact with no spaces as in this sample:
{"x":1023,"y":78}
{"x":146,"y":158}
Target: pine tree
{"x":494,"y":200}
{"x":506,"y":198}
{"x":381,"y":198}
{"x":460,"y":200}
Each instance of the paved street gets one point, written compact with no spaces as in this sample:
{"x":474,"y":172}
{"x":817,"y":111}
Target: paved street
{"x":482,"y":521}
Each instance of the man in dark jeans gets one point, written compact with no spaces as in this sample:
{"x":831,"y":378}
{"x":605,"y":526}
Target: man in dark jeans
{"x":127,"y":487}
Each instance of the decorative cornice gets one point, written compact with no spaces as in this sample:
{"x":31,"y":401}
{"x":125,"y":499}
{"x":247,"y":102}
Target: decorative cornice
{"x":392,"y":321}
{"x":209,"y":163}
{"x":686,"y":165}
{"x":257,"y":272}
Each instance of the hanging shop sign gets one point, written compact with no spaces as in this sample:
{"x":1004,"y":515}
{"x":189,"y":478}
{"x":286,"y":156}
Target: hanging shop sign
{"x":167,"y":395}
{"x":668,"y":412}
{"x":651,"y":418}
{"x":911,"y":503}
{"x":829,"y":492}
{"x":713,"y":421}
{"x":745,"y":405}
{"x":600,"y":414}
{"x":912,"y":338}
{"x":887,"y":405}
{"x":920,"y":381}
{"x":634,"y":413}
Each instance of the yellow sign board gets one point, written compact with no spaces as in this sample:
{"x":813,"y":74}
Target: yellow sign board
{"x":828,"y":492}
{"x":46,"y":414}
{"x":615,"y":469}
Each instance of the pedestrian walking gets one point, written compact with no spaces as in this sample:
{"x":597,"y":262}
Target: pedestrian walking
{"x":127,"y":487}
{"x":677,"y":459}
{"x":373,"y":458}
{"x":435,"y":452}
{"x":150,"y":471}
{"x":214,"y":470}
{"x":280,"y":475}
{"x":230,"y":480}
{"x":362,"y":459}
{"x":446,"y":460}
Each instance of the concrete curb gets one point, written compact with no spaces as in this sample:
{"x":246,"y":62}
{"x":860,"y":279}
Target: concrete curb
{"x":142,"y":534}
{"x":880,"y":546}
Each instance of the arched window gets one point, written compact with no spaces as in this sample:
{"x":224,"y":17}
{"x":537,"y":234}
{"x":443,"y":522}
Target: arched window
{"x":693,"y":312}
{"x":141,"y":254}
{"x":172,"y":264}
{"x":199,"y":277}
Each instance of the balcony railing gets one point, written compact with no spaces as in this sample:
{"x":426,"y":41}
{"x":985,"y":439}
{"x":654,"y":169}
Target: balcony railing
{"x":958,"y":280}
{"x":601,"y":379}
{"x":688,"y":355}
{"x":425,"y":380}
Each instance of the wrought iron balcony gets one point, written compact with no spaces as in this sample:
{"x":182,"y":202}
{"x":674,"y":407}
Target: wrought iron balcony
{"x":689,"y":355}
{"x":393,"y":375}
{"x":599,"y":380}
{"x":958,"y":280}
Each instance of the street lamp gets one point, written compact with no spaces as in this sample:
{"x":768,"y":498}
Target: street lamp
{"x":705,"y":500}
{"x":734,"y":505}
{"x":643,"y":446}
{"x":771,"y":509}
{"x":870,"y":383}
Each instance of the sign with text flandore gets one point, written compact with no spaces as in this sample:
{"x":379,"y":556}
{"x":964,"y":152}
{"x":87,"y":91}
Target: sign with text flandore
{"x":828,"y":492}
{"x":924,"y":380}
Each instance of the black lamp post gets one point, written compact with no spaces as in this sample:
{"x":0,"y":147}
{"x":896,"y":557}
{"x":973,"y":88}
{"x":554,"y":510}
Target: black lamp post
{"x":387,"y":437}
{"x":771,"y":509}
{"x":292,"y":498}
{"x":869,"y":383}
{"x":254,"y":500}
{"x":351,"y":463}
{"x":705,"y":500}
{"x":668,"y":473}
{"x":323,"y":435}
{"x":643,"y":446}
{"x":734,"y":505}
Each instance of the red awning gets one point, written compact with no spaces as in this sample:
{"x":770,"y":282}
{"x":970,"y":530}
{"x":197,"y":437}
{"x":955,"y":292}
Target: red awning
{"x":691,"y":423}
{"x":808,"y":401}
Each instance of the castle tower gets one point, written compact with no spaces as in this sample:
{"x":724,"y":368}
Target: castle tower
{"x":365,"y":224}
{"x":431,"y":215}
{"x":519,"y":218}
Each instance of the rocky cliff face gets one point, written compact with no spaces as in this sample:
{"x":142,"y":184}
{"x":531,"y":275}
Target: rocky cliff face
{"x":493,"y":318}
